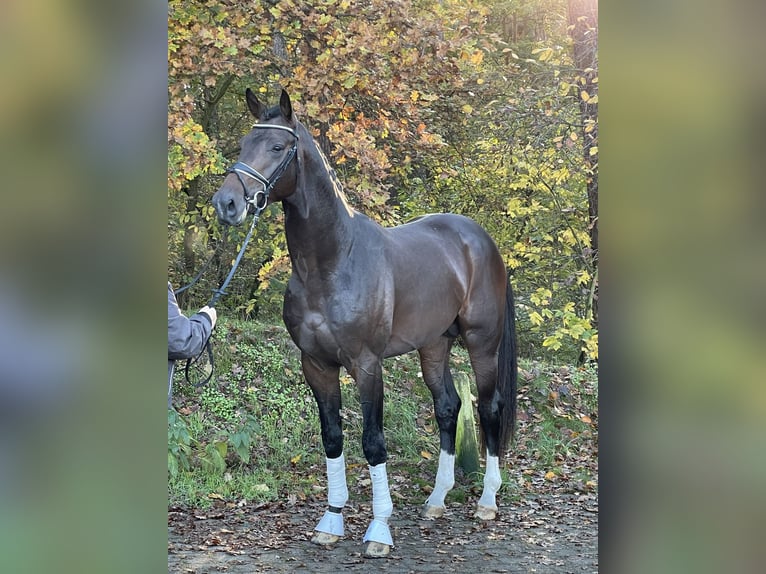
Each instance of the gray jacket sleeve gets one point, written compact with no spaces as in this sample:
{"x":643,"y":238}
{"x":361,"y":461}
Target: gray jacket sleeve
{"x":186,"y":335}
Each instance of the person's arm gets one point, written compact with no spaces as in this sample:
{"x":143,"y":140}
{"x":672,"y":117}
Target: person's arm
{"x":187,"y":335}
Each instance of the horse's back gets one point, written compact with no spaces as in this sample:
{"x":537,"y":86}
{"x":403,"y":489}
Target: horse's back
{"x":442,"y":239}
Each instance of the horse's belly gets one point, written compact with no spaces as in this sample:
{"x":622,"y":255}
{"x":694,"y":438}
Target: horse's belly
{"x":397,"y":346}
{"x":416,"y":327}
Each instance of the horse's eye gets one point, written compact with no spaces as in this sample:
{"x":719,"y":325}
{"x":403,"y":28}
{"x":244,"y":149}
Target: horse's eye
{"x":277,"y":147}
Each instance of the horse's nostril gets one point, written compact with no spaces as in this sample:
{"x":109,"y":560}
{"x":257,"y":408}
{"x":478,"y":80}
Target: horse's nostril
{"x":226,"y":208}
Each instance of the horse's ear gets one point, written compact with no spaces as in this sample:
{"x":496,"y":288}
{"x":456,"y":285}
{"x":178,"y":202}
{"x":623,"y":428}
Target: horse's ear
{"x":285,"y":106}
{"x":256,"y":107}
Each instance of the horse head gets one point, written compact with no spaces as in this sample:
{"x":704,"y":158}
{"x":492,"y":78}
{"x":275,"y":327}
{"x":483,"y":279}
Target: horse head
{"x":266,"y":169}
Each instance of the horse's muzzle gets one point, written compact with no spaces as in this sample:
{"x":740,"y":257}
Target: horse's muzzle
{"x":230,"y":211}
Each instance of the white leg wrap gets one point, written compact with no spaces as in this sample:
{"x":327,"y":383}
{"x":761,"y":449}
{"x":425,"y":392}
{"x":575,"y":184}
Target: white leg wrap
{"x":445,"y":479}
{"x":382,"y":507}
{"x":492,"y":482}
{"x":337,"y":491}
{"x":337,"y":496}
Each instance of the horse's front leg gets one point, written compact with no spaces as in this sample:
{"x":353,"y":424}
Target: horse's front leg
{"x":369,"y":379}
{"x":325,"y":384}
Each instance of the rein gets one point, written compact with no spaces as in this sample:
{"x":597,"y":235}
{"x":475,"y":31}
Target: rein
{"x":255,"y":205}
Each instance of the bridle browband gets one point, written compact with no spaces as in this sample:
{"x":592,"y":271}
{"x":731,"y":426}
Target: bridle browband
{"x":260,"y":198}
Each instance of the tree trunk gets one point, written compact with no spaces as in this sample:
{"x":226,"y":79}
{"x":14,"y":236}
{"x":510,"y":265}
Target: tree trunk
{"x":583,"y":21}
{"x":207,"y":104}
{"x":466,"y":446}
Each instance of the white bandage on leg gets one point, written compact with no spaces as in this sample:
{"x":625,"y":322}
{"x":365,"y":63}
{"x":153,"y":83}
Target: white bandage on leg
{"x":337,"y":491}
{"x":382,"y":507}
{"x":445,"y":479}
{"x":337,"y":496}
{"x":492,"y":482}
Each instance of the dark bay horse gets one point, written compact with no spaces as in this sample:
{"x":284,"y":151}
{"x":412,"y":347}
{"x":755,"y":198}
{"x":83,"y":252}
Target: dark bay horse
{"x":360,"y":293}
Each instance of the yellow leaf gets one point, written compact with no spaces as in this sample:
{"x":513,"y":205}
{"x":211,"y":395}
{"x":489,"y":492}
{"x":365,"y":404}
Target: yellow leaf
{"x":584,"y":95}
{"x":414,"y":95}
{"x":586,"y":419}
{"x":425,"y":454}
{"x":550,"y":475}
{"x":552,"y":342}
{"x":467,"y":109}
{"x":295,"y":459}
{"x":593,"y":150}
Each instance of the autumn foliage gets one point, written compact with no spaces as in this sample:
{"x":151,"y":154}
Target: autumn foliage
{"x":420,"y":106}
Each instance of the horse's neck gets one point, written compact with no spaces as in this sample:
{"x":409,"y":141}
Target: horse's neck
{"x":318,"y":220}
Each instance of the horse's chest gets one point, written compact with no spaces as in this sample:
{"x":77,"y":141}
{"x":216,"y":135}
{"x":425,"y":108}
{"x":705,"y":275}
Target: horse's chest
{"x":309,"y":319}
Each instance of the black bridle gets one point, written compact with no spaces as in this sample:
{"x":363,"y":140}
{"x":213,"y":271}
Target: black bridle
{"x":260,"y":198}
{"x":257,"y":202}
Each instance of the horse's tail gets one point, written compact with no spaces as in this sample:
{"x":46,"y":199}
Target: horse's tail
{"x":507,"y":374}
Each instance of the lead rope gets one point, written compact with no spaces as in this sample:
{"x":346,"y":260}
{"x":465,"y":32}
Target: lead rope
{"x":217,"y":294}
{"x":258,"y":203}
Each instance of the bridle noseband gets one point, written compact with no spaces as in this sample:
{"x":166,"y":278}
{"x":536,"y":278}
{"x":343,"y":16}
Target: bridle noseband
{"x":260,"y":198}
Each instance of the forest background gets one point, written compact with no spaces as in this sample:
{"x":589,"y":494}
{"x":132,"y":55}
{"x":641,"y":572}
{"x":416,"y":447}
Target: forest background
{"x":82,"y":107}
{"x":484,"y":108}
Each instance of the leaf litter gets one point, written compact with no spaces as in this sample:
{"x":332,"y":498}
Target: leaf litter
{"x":547,"y":520}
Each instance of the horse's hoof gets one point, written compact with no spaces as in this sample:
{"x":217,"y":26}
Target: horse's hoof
{"x":432,"y":512}
{"x":485,"y":512}
{"x":376,"y":550}
{"x":324,"y":538}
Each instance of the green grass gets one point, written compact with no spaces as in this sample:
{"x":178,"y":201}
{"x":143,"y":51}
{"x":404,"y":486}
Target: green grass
{"x":253,"y":432}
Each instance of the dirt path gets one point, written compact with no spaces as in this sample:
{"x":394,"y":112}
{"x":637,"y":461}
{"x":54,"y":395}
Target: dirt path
{"x":550,"y":533}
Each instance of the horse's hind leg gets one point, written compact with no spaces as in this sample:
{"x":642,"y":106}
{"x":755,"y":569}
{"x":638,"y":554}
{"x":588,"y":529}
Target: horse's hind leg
{"x":484,"y":362}
{"x":434,"y":361}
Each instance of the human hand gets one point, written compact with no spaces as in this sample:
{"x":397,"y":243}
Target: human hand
{"x":210,"y":312}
